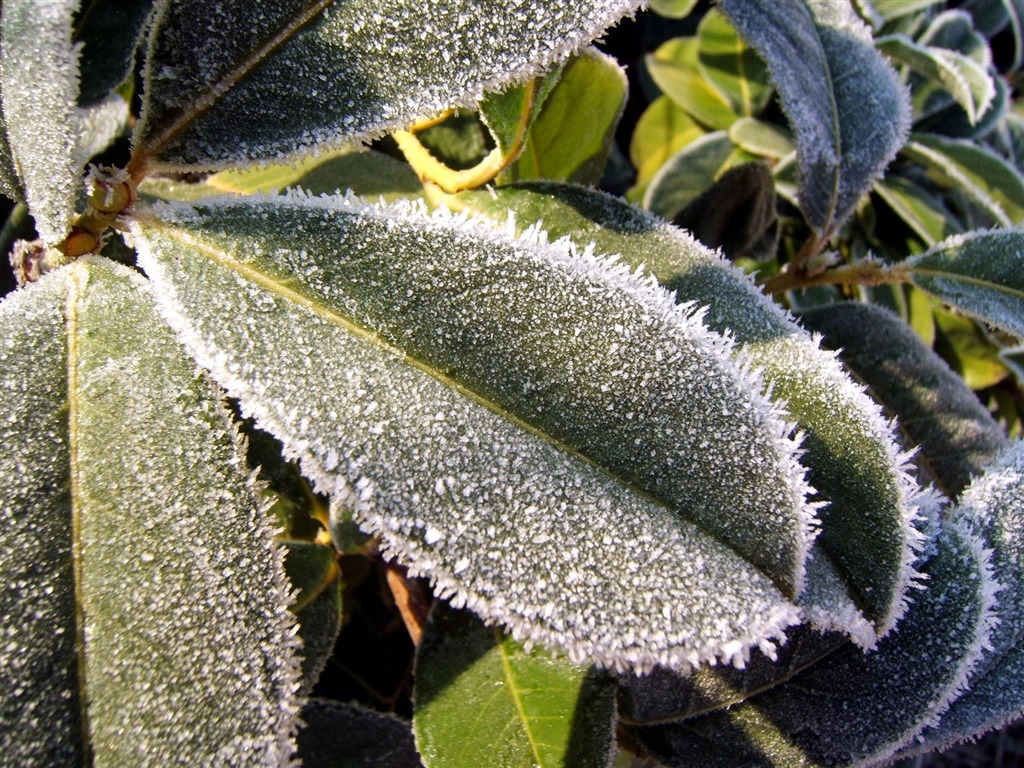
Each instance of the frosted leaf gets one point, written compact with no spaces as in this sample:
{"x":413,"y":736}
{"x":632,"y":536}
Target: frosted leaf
{"x":980,"y":273}
{"x":993,"y":506}
{"x":938,"y":412}
{"x":337,"y":735}
{"x":174,"y":567}
{"x":100,"y":124}
{"x":852,"y":708}
{"x":224,"y":85}
{"x":868,"y":528}
{"x":849,"y":112}
{"x":491,"y":406}
{"x":39,"y":707}
{"x":110,"y":32}
{"x":39,"y":83}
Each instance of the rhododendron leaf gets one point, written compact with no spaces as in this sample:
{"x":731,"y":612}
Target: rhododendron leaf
{"x":474,"y":396}
{"x":306,"y":74}
{"x":854,"y":462}
{"x":90,"y":667}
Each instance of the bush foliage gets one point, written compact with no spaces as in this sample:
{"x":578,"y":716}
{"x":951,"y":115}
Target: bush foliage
{"x":335,"y":315}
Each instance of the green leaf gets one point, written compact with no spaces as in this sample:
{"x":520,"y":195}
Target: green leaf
{"x":970,"y":350}
{"x":760,"y":138}
{"x":109,"y":32}
{"x":675,"y":69}
{"x":989,"y":181}
{"x":482,"y":699}
{"x":313,"y":572}
{"x":922,"y":211}
{"x":340,"y":735}
{"x":173,"y":509}
{"x":969,"y":83}
{"x":510,"y":114}
{"x":512,"y":491}
{"x":690,"y":171}
{"x":994,"y":507}
{"x":673,"y":9}
{"x":662,"y":130}
{"x":980,"y":273}
{"x":937,"y":411}
{"x":39,"y":82}
{"x":732,"y":67}
{"x":851,"y":454}
{"x":570,"y":143}
{"x":236,"y":87}
{"x":847,"y":109}
{"x":890,"y":10}
{"x":852,"y":708}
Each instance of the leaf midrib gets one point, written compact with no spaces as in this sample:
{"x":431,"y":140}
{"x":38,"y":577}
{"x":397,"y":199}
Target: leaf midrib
{"x":968,"y":280}
{"x":77,"y":278}
{"x":514,"y":693}
{"x":140,"y":161}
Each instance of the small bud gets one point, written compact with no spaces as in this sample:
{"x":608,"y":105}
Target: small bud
{"x":110,"y":190}
{"x":79,"y":243}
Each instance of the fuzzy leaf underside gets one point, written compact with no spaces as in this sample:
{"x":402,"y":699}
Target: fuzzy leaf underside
{"x":851,"y":708}
{"x":39,"y":83}
{"x":851,"y":452}
{"x":993,"y":506}
{"x":848,"y":110}
{"x":980,"y":273}
{"x":309,"y":73}
{"x":173,"y":509}
{"x":482,"y":699}
{"x":490,"y":406}
{"x":937,"y":411}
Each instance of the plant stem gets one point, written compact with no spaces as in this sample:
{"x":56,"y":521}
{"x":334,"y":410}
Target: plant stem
{"x":864,"y":272}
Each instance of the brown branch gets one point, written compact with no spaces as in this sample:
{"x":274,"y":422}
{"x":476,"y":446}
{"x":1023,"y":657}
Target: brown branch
{"x":864,"y":272}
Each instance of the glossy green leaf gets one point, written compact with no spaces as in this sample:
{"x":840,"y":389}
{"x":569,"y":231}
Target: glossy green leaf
{"x":512,"y":491}
{"x":760,"y":138}
{"x":482,"y":699}
{"x":852,"y":708}
{"x":731,"y":66}
{"x":313,"y":572}
{"x":937,"y":411}
{"x":673,"y":9}
{"x":510,"y":114}
{"x":690,"y":171}
{"x":851,"y":454}
{"x":848,"y":111}
{"x":109,"y":32}
{"x":922,"y":211}
{"x":980,"y":273}
{"x":277,"y":176}
{"x":39,"y":82}
{"x":675,"y":69}
{"x":966,"y":80}
{"x":173,"y":509}
{"x":567,"y":142}
{"x":988,"y":180}
{"x":304,"y":74}
{"x":662,"y":130}
{"x":338,"y":735}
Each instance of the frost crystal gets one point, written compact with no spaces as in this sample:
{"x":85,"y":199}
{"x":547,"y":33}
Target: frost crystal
{"x":491,"y":405}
